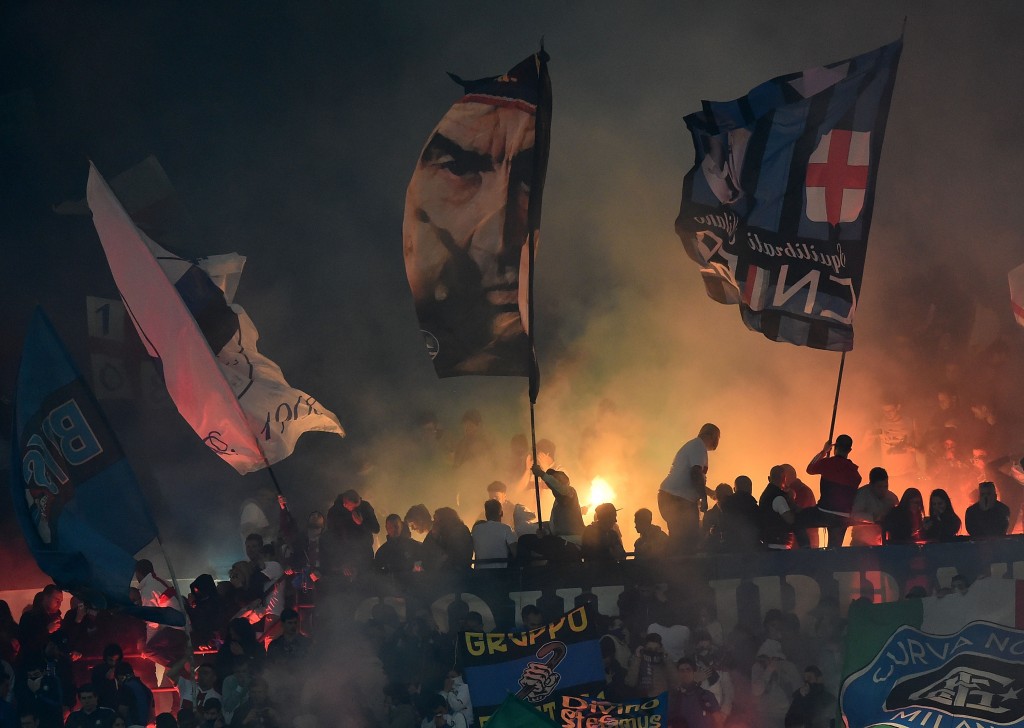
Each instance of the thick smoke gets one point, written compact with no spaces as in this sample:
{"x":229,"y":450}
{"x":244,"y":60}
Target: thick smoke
{"x":291,"y":138}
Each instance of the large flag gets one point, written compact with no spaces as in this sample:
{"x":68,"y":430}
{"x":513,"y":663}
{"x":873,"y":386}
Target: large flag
{"x":1017,"y":293}
{"x":953,"y":660}
{"x":777,"y":206}
{"x":538,"y":666}
{"x":235,"y":399}
{"x":74,"y":493}
{"x":472,"y":216}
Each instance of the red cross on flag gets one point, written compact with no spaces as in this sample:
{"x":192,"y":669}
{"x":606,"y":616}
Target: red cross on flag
{"x":837,"y":176}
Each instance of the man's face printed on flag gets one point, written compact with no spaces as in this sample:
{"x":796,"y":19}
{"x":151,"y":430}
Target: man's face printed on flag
{"x":466,"y":213}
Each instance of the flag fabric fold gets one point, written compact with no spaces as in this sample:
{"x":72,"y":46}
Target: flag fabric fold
{"x":74,"y":493}
{"x":236,"y":400}
{"x":777,"y":207}
{"x":472,"y":218}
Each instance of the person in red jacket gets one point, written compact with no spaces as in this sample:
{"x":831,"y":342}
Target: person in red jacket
{"x":840,"y":479}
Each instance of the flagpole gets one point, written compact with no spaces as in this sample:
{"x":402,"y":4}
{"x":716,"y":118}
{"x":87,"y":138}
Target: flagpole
{"x":273,"y":478}
{"x":542,"y":132}
{"x":535,"y":383}
{"x":189,"y":655}
{"x":835,"y":404}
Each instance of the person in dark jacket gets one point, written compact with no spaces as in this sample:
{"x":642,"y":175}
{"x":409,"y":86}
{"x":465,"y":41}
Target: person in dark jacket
{"x":399,"y":554}
{"x":89,"y":713}
{"x":813,"y":706}
{"x":39,"y":693}
{"x":205,"y":611}
{"x":903,"y":524}
{"x":776,"y":512}
{"x":454,"y":538}
{"x":134,"y":699}
{"x":942,"y":523}
{"x":988,"y":517}
{"x":602,"y":543}
{"x":741,"y":531}
{"x":347,"y":546}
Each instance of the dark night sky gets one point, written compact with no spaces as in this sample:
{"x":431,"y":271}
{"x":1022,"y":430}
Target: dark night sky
{"x":289,"y":131}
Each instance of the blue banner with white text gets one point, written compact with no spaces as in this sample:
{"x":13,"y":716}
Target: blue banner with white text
{"x":974,"y":677}
{"x":74,"y":493}
{"x":538,"y":666}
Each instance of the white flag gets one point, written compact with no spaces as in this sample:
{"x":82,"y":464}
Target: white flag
{"x":236,"y":400}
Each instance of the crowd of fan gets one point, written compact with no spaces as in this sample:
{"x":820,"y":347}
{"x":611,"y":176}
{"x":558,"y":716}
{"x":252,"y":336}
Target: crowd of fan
{"x":403,"y":673}
{"x":244,"y":660}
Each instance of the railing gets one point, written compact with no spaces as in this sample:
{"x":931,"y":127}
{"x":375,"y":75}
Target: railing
{"x":740,"y":586}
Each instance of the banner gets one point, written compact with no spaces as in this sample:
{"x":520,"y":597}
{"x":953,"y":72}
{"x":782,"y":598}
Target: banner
{"x":777,"y":207}
{"x":237,"y":401}
{"x":74,"y":493}
{"x":472,"y":215}
{"x":584,"y":712}
{"x":538,"y":666}
{"x":954,"y":659}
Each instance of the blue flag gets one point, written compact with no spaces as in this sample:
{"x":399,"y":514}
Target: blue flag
{"x":777,"y":206}
{"x":537,"y":666}
{"x":74,"y":493}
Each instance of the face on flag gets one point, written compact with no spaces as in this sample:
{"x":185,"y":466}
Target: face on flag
{"x":466,"y":228}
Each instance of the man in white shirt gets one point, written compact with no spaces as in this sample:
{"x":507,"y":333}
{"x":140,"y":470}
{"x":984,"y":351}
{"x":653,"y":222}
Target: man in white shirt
{"x":493,"y":541}
{"x":684,"y":491}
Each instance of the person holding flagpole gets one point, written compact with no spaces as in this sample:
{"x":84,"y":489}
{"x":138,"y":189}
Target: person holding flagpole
{"x":840,"y":478}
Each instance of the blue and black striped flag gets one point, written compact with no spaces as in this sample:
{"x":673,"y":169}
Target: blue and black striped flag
{"x":777,"y":207}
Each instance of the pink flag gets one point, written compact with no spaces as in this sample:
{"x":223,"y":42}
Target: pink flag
{"x":171,"y":334}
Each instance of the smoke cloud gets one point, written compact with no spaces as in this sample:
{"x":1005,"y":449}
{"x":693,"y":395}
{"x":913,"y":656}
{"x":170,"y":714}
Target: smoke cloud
{"x":290,"y":135}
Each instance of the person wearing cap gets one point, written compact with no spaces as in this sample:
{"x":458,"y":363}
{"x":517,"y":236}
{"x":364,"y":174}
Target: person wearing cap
{"x":561,"y":537}
{"x":684,"y":490}
{"x":602,"y":542}
{"x":773,"y":680}
{"x":566,"y":519}
{"x":840,"y":479}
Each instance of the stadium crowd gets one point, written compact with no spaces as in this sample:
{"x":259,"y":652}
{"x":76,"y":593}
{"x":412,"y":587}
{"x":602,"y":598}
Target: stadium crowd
{"x":263,"y":649}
